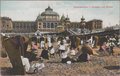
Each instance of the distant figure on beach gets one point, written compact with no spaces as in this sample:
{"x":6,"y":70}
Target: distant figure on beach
{"x":52,"y":51}
{"x":42,"y":42}
{"x":45,"y":53}
{"x":34,"y":47}
{"x":62,"y":48}
{"x":112,"y":41}
{"x":65,"y":58}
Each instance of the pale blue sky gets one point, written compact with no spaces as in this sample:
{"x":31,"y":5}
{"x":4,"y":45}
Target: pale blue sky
{"x":29,"y":10}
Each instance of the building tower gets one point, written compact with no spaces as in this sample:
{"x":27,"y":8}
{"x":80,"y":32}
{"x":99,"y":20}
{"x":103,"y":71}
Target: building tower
{"x":7,"y":25}
{"x":62,"y":20}
{"x":83,"y":23}
{"x":48,"y":20}
{"x":67,"y":22}
{"x":39,"y":22}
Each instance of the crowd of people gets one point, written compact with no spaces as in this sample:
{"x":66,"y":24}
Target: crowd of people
{"x":68,"y":46}
{"x":65,"y":47}
{"x":108,"y":43}
{"x":69,"y":49}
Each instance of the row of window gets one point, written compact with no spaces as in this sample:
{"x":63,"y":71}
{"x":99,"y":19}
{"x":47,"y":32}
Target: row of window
{"x":49,"y":19}
{"x":23,"y":23}
{"x":50,"y":25}
{"x":23,"y":31}
{"x":5,"y":25}
{"x":23,"y":26}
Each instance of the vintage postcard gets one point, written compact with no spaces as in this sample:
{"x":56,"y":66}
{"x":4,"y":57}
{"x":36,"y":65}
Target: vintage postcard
{"x":60,"y":38}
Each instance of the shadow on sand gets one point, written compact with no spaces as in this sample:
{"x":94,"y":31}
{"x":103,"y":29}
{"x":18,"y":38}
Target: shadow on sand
{"x":6,"y":71}
{"x":112,"y":67}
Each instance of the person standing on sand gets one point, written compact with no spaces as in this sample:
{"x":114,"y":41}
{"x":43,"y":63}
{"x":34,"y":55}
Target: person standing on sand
{"x":111,"y":45}
{"x":52,"y":51}
{"x":42,"y":43}
{"x":45,"y":53}
{"x":73,"y":41}
{"x":62,"y":48}
{"x":77,"y":42}
{"x":34,"y":47}
{"x":95,"y":41}
{"x":102,"y":43}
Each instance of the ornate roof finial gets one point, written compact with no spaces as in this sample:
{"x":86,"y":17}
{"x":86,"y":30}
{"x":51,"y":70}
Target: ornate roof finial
{"x":62,"y":17}
{"x":82,"y":18}
{"x":49,"y":8}
{"x":67,"y":15}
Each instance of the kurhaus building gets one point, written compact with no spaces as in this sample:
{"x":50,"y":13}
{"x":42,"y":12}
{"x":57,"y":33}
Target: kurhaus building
{"x":47,"y":21}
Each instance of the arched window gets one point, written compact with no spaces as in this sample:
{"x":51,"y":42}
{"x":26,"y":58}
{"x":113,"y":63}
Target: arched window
{"x":20,"y":26}
{"x":52,"y":25}
{"x":44,"y":25}
{"x":17,"y":26}
{"x":39,"y":23}
{"x":48,"y":25}
{"x":55,"y":25}
{"x":24,"y":25}
{"x":39,"y":27}
{"x":7,"y":26}
{"x":28,"y":26}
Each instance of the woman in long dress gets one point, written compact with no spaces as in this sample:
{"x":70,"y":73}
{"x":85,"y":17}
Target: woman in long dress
{"x":52,"y":51}
{"x":65,"y":57}
{"x":86,"y":52}
{"x":45,"y":53}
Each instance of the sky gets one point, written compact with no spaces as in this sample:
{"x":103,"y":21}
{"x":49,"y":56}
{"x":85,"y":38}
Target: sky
{"x":108,"y":11}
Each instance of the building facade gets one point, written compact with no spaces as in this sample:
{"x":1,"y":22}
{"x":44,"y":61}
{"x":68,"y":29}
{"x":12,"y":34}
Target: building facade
{"x":23,"y":26}
{"x":47,"y":21}
{"x":7,"y":25}
{"x":94,"y":24}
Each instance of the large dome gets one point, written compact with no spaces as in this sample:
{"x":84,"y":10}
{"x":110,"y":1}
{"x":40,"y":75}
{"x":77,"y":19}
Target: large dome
{"x":39,"y":17}
{"x":49,"y":12}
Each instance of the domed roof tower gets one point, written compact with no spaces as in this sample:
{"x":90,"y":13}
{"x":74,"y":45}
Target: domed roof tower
{"x":62,"y":18}
{"x":39,"y":18}
{"x":83,"y":23}
{"x":49,"y":12}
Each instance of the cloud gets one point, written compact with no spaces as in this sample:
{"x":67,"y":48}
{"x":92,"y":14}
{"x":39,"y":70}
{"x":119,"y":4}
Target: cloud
{"x":29,"y":10}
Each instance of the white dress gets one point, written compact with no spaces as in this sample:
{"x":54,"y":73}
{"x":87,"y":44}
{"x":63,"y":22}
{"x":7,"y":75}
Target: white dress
{"x":64,"y":41}
{"x":49,"y":44}
{"x":42,"y":44}
{"x":62,"y":47}
{"x":58,"y":42}
{"x":52,"y":51}
{"x":26,"y":63}
{"x":65,"y":54}
{"x":72,"y":52}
